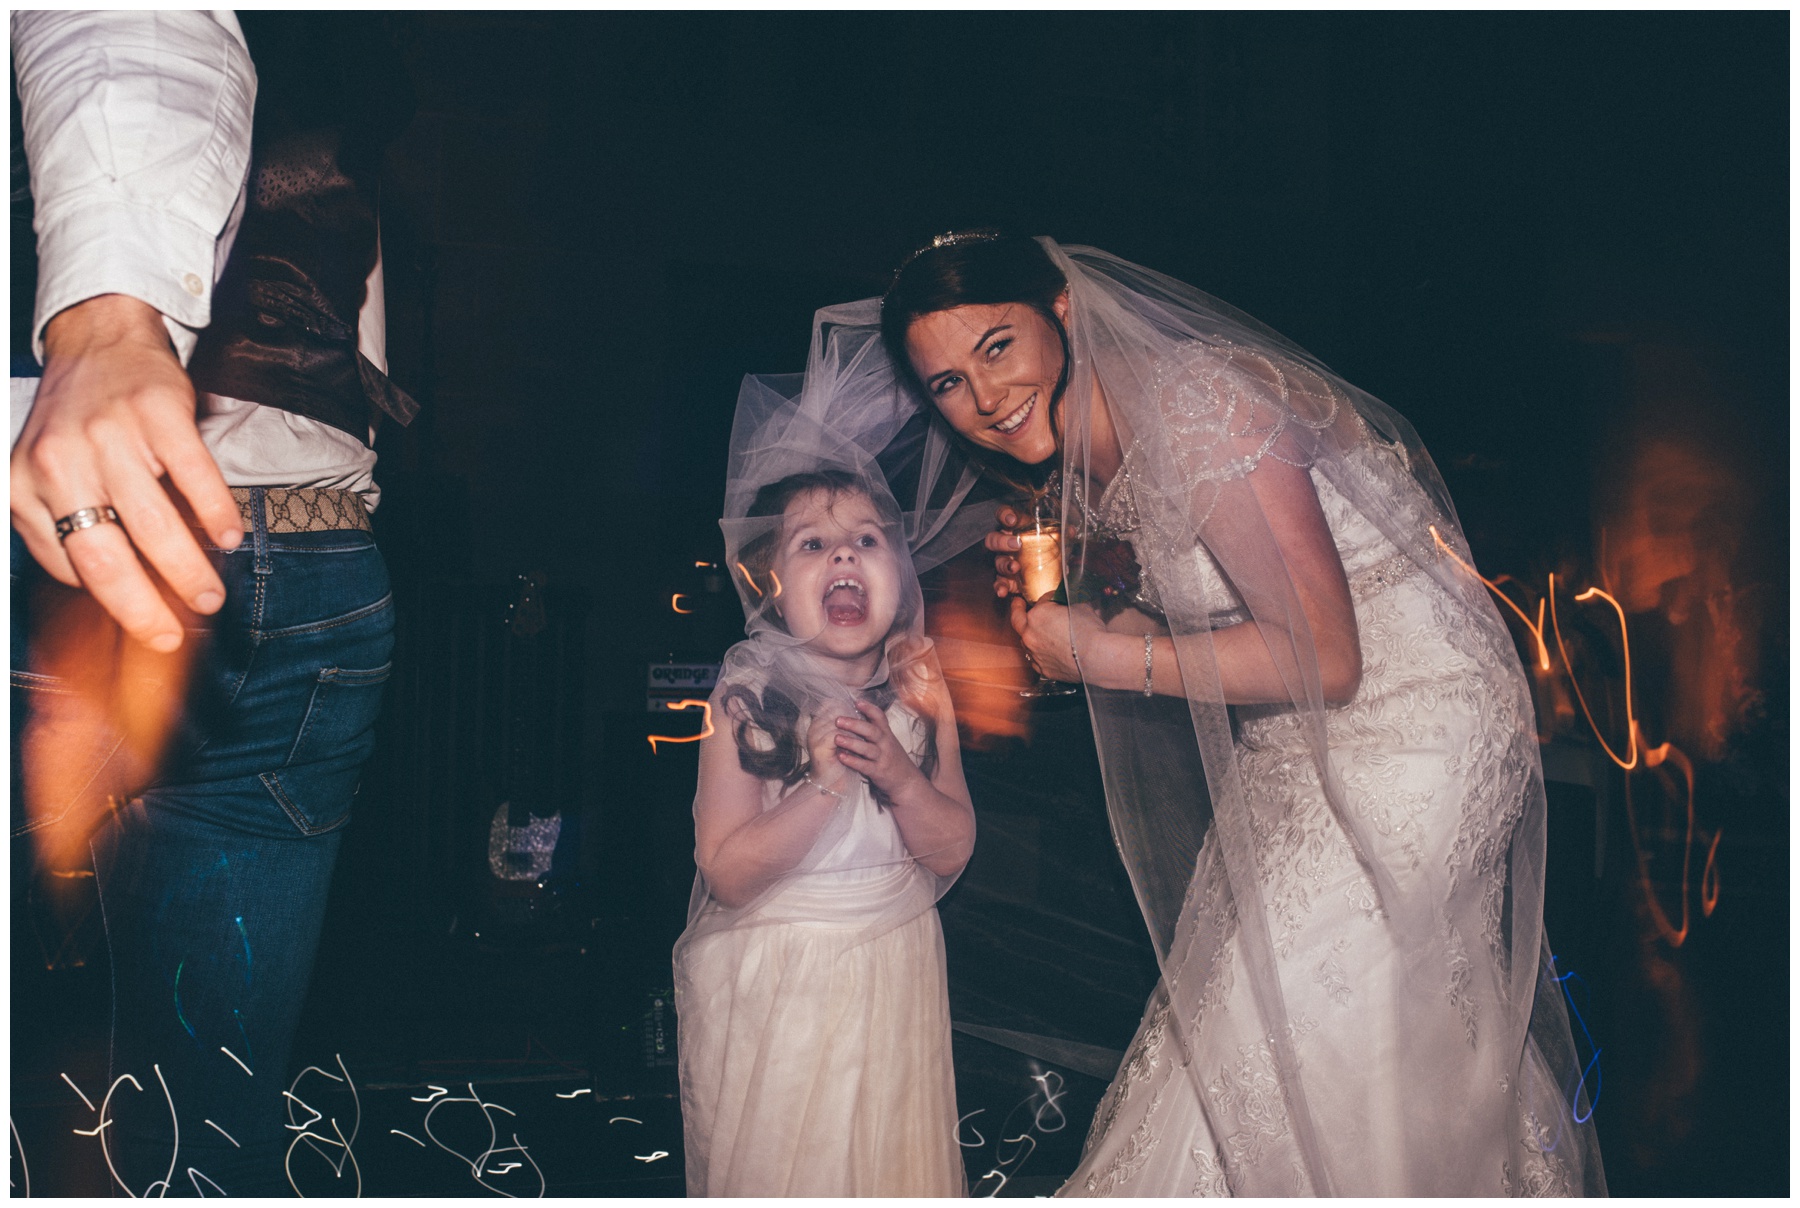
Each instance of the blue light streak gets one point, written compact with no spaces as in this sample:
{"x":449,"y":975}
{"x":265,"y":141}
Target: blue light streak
{"x":1593,"y":1062}
{"x":192,"y":1035}
{"x":246,"y":938}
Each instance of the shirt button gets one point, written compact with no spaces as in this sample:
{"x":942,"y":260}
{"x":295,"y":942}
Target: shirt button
{"x":193,"y":285}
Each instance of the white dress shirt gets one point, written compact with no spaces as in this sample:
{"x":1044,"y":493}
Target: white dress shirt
{"x":137,"y":131}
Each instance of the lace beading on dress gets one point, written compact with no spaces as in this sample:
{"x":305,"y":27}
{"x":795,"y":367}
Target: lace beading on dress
{"x":1416,"y":756}
{"x":1139,"y":1068}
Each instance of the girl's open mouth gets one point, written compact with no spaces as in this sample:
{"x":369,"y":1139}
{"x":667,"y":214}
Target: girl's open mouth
{"x":846,"y":601}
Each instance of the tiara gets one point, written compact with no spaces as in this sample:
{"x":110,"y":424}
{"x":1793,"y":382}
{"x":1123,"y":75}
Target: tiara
{"x":947,"y":239}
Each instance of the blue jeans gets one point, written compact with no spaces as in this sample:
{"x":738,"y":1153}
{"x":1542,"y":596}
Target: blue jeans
{"x":213,"y":881}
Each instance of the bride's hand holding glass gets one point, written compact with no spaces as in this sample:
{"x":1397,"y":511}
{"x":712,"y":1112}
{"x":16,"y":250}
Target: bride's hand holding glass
{"x":1052,"y":634}
{"x":1004,"y":544}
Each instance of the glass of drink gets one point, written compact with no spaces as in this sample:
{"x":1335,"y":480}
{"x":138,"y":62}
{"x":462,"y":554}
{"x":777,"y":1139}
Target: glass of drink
{"x":1040,"y":574}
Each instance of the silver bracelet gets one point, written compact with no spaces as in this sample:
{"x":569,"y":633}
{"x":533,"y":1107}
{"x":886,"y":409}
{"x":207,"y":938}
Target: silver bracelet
{"x":1149,"y":647}
{"x":807,"y":776}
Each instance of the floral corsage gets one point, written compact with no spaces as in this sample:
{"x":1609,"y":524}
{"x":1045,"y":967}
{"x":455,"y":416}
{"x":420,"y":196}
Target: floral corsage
{"x":1110,"y":577}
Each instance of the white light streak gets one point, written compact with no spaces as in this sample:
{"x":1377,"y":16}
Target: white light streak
{"x":655,"y":1156}
{"x":316,"y":1116}
{"x":227,"y":1136}
{"x":409,"y":1137}
{"x":234,"y":1057}
{"x":106,"y":1118}
{"x":19,"y":1148}
{"x":478,"y":1165}
{"x":77,"y":1090}
{"x":586,"y":1090}
{"x":1052,"y":1102}
{"x":315,"y":1140}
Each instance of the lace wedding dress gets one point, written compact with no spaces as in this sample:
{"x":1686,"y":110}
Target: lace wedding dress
{"x":1434,"y":751}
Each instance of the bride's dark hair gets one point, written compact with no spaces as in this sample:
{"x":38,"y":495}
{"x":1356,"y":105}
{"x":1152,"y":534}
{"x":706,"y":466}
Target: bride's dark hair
{"x":767,"y":726}
{"x":972,"y":268}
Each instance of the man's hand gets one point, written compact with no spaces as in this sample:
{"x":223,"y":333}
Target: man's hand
{"x":115,"y":414}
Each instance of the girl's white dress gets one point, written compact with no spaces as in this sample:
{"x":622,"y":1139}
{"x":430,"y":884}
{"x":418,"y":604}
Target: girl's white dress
{"x":814,"y":1036}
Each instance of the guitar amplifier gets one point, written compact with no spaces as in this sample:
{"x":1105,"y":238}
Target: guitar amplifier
{"x":483,"y":739}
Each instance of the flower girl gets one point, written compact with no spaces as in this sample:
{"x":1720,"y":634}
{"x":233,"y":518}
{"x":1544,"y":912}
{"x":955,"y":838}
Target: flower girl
{"x":831,"y":814}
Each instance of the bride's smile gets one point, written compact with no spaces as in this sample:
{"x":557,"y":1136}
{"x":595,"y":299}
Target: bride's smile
{"x":1010,"y":425}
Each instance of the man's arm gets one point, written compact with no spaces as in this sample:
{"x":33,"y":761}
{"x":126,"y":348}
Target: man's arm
{"x":137,"y":132}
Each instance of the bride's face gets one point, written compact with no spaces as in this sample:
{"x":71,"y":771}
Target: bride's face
{"x":840,"y":580}
{"x":992,"y":371}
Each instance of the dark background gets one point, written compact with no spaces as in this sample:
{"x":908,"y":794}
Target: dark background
{"x":1554,"y":242}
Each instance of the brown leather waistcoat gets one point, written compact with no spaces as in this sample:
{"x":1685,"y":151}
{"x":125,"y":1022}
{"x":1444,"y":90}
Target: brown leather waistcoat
{"x":284,"y":314}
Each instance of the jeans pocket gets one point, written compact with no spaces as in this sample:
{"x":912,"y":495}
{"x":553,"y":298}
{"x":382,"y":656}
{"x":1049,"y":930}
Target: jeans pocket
{"x":317,"y":783}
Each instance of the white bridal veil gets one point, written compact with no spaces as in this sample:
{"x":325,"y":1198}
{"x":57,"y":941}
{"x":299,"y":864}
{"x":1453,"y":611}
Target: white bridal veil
{"x":1201,"y":396}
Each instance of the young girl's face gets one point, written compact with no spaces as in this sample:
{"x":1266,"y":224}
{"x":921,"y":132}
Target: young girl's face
{"x":839,"y":574}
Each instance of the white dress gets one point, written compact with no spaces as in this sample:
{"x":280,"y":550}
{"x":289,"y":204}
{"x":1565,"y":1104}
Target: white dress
{"x":814,"y":1036}
{"x":1433,"y":751}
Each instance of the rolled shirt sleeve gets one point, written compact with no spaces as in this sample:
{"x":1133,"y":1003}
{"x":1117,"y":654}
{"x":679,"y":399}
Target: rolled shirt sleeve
{"x":137,"y":133}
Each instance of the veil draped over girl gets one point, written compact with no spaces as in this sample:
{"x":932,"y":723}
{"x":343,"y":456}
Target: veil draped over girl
{"x":1467,"y":1080}
{"x":788,"y":425}
{"x":815,"y":1053}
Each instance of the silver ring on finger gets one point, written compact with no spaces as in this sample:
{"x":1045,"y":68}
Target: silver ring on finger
{"x":84,"y":518}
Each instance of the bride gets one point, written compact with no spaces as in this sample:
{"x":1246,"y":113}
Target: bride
{"x":1269,"y":593}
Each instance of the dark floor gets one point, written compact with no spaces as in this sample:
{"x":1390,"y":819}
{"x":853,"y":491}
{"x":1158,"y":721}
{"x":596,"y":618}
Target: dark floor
{"x":536,"y":1056}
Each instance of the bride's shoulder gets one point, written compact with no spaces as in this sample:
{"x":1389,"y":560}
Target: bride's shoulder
{"x":1190,"y":375}
{"x":1186,"y":357}
{"x":1200,"y":385}
{"x":1193,"y":360}
{"x":1248,"y":390}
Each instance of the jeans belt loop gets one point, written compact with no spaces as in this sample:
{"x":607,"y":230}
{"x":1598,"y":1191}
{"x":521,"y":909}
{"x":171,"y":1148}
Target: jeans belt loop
{"x":259,"y":531}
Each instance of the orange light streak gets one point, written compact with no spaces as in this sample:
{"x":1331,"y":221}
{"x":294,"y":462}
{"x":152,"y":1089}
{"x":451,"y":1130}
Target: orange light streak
{"x":1709,"y":877}
{"x":675,"y":603}
{"x":1537,"y":631}
{"x":1653,"y":757}
{"x":101,"y":737}
{"x":749,"y":578}
{"x":776,"y":580}
{"x":706,"y":724}
{"x":1631,"y":733}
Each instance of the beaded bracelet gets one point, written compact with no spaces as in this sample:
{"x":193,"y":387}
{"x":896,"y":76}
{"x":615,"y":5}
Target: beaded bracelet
{"x":1149,"y":647}
{"x":807,"y":776}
